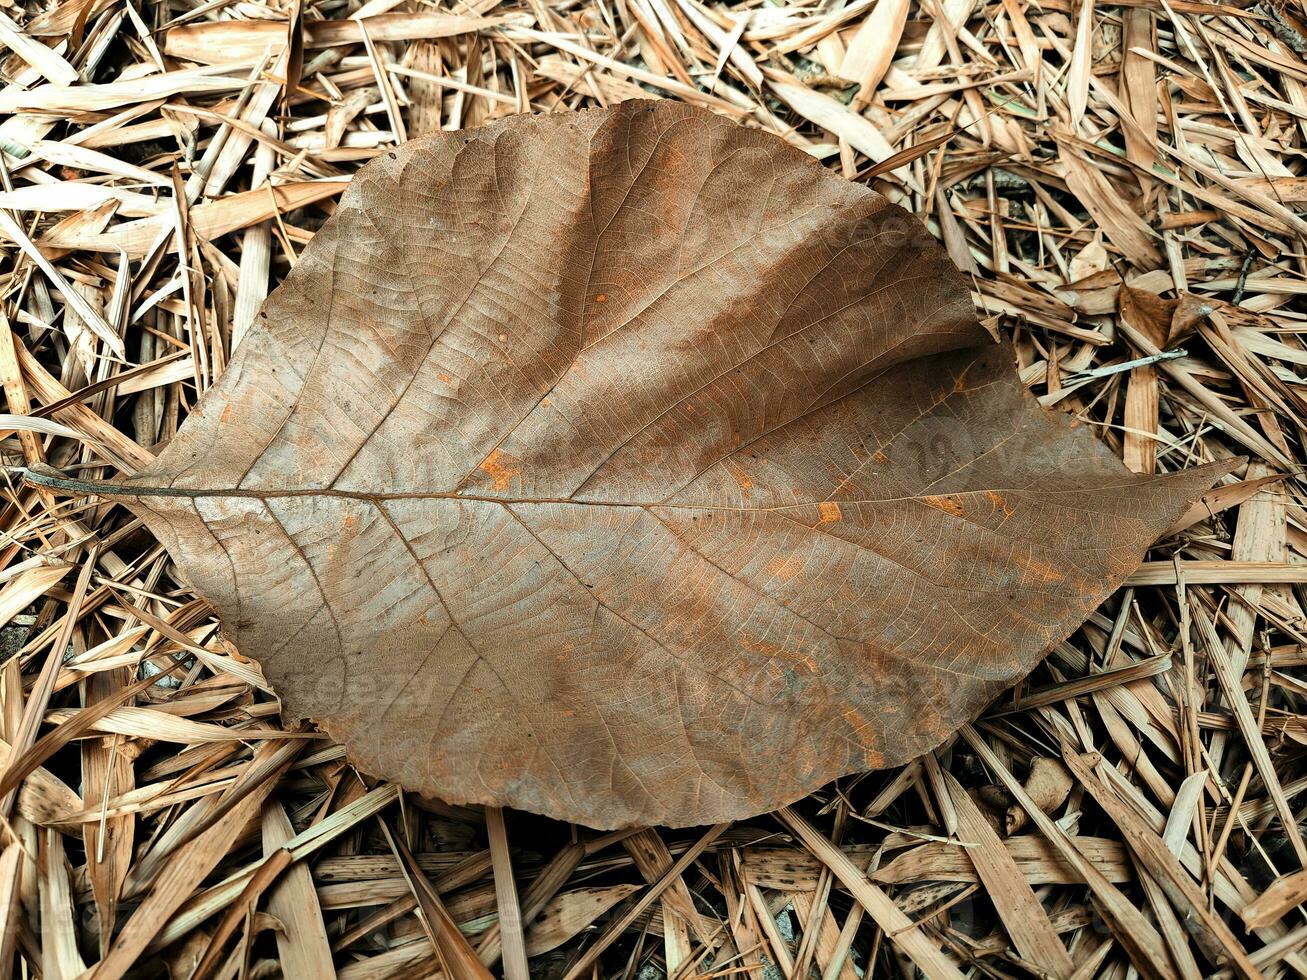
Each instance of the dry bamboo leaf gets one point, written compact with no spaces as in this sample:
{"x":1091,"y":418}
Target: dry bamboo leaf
{"x":1277,"y":901}
{"x":1210,"y":932}
{"x":507,"y":904}
{"x":457,"y":959}
{"x":570,"y":912}
{"x":71,"y":98}
{"x":28,"y":586}
{"x":36,"y":54}
{"x":1079,"y":69}
{"x":11,"y":867}
{"x":585,"y":965}
{"x":1123,"y":225}
{"x":832,"y":115}
{"x":1139,"y":86}
{"x":244,"y":41}
{"x":1128,"y":925}
{"x":59,"y":954}
{"x":1037,"y":860}
{"x":106,"y":768}
{"x":652,"y":859}
{"x":684,"y":484}
{"x":44,"y":796}
{"x":536,"y":897}
{"x":1149,"y":314}
{"x":1019,"y":909}
{"x":1141,"y":408}
{"x":907,"y":934}
{"x":873,"y":46}
{"x":69,"y":195}
{"x":208,"y":221}
{"x":179,"y":878}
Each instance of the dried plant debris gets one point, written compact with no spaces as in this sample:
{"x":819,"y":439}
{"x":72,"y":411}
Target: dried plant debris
{"x":1122,"y":185}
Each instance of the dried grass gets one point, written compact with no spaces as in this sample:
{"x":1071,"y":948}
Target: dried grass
{"x":1124,"y":182}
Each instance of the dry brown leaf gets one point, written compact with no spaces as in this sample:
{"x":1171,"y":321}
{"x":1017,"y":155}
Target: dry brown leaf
{"x":1048,"y":784}
{"x":1149,"y":314}
{"x":628,"y":467}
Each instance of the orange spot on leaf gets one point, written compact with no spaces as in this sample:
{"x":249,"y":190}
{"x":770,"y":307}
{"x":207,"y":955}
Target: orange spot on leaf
{"x":743,"y":480}
{"x":498,"y":470}
{"x":997,"y":499}
{"x":948,"y":504}
{"x":830,"y":511}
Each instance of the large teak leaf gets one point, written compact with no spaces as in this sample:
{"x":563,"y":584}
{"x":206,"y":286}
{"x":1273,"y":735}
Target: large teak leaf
{"x":629,"y":467}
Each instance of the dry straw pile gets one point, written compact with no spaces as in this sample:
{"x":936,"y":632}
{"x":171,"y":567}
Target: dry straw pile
{"x":1121,"y":180}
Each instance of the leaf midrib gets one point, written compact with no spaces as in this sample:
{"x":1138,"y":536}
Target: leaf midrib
{"x":103,"y":489}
